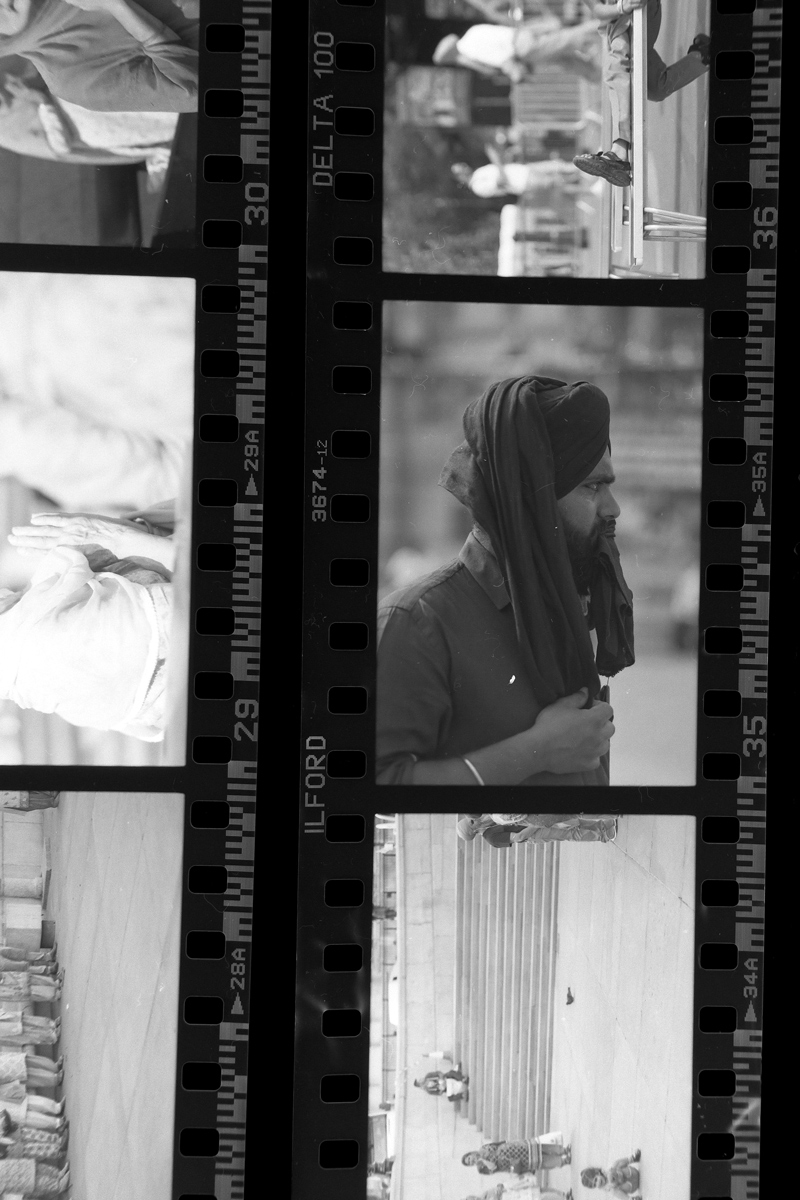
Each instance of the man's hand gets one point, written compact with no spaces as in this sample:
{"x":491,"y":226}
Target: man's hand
{"x":573,"y":738}
{"x":48,"y":530}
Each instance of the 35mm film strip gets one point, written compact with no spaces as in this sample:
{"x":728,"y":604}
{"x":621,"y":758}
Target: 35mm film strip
{"x":529,"y":357}
{"x":134,"y":202}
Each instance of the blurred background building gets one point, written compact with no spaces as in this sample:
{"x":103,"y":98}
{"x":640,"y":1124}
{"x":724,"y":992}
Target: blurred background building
{"x":438,"y":357}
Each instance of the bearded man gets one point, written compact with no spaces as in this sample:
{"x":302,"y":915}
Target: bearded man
{"x":487,"y":672}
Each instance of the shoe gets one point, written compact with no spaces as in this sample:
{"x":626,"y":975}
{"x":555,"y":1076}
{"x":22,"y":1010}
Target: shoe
{"x":607,"y":165}
{"x":702,"y":47}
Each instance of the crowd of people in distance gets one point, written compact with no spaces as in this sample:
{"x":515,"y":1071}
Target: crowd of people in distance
{"x":33,"y":1129}
{"x":502,"y":830}
{"x":524,"y":1158}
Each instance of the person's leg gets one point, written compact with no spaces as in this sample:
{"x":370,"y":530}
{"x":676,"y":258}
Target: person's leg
{"x":617,"y":78}
{"x":41,"y":1031}
{"x":47,"y":1121}
{"x":40,"y":956}
{"x":663,"y":81}
{"x":43,"y":1079}
{"x":40,"y":1062}
{"x":41,"y":1104}
{"x":44,"y":987}
{"x":553,"y":1156}
{"x":43,"y":799}
{"x":14,"y":954}
{"x":614,"y":164}
{"x":50,"y":1181}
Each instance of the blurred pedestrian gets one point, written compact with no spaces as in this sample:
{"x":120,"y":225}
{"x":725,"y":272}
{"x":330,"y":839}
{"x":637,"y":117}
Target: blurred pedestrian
{"x":37,"y":962}
{"x":445,"y":1083}
{"x":28,"y":802}
{"x":27,"y":1177}
{"x":536,"y":827}
{"x":621,"y":1178}
{"x":31,"y":1111}
{"x":522,"y":1189}
{"x":498,"y":178}
{"x":32,"y":1070}
{"x":22,"y":1029}
{"x":22,"y":985}
{"x":518,"y":1157}
{"x":487,"y":673}
{"x":20,"y":1141}
{"x":494,"y":50}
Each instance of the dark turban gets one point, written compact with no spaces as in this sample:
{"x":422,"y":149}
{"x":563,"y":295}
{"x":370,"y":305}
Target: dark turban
{"x":529,"y":442}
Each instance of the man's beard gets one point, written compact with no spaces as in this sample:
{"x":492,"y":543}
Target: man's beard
{"x":584,"y":551}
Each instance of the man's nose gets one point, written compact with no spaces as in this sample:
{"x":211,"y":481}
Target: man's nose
{"x":609,"y":507}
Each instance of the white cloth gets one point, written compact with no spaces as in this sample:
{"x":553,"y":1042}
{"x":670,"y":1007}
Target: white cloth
{"x":521,"y":177}
{"x":491,"y":45}
{"x":99,"y":375}
{"x":489,"y":180}
{"x":79,"y":644}
{"x":13,"y":1067}
{"x":139,"y":136}
{"x":132,"y":134}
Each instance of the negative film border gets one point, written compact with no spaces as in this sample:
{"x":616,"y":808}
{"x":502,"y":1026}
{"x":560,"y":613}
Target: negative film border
{"x":221,"y":735}
{"x":729,"y":786}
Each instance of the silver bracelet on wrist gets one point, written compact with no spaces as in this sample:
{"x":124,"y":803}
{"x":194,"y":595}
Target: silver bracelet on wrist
{"x":474,"y":771}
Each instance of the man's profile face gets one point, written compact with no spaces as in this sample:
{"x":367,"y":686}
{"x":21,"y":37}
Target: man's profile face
{"x":588,"y":512}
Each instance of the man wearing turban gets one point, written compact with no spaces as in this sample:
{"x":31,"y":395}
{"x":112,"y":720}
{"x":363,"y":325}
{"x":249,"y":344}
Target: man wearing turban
{"x":486,"y":669}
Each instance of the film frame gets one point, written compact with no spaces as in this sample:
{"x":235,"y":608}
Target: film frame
{"x":331,"y":1151}
{"x":217,"y":784}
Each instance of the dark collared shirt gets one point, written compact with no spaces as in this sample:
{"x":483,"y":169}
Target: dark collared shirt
{"x":450,"y":674}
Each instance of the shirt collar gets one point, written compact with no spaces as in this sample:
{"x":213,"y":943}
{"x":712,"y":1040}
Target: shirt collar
{"x":476,"y":555}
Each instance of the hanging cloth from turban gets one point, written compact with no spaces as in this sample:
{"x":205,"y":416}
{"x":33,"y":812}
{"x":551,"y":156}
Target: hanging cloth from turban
{"x":528,"y":442}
